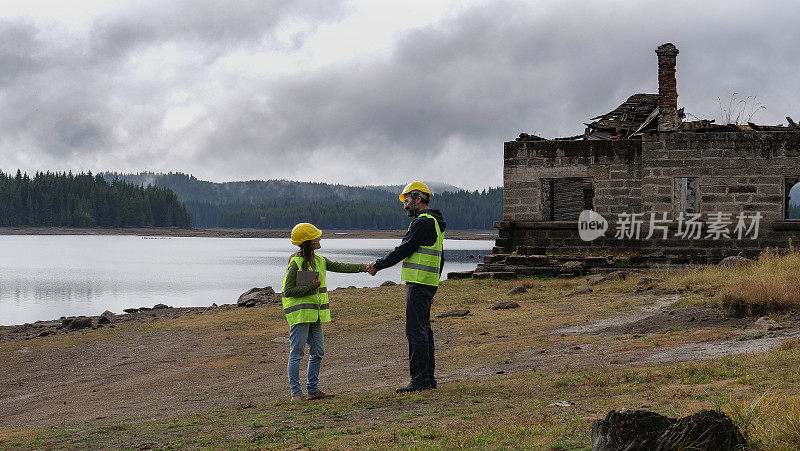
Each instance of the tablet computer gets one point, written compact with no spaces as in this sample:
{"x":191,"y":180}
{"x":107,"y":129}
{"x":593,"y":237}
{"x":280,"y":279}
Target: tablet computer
{"x":306,"y":277}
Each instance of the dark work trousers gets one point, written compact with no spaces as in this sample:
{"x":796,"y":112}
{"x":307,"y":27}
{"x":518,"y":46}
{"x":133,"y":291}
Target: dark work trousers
{"x":419,"y":333}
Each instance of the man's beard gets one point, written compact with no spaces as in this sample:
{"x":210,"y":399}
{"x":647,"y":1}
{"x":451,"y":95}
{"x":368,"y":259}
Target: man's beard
{"x":409,"y":212}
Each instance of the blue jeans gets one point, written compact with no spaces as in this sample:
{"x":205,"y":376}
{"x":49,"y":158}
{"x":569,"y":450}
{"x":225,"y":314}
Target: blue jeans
{"x":299,"y":335}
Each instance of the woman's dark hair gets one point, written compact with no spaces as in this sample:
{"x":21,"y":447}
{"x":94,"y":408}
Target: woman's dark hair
{"x":307,"y":253}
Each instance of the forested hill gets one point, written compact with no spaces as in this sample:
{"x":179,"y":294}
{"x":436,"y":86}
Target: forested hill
{"x":262,"y":192}
{"x":82,"y":200}
{"x":282,"y":203}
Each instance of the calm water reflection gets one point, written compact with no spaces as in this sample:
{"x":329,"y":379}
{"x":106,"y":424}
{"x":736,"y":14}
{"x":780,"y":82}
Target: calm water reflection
{"x":46,"y":277}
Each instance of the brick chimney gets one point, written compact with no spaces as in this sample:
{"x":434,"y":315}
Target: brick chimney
{"x":667,"y":91}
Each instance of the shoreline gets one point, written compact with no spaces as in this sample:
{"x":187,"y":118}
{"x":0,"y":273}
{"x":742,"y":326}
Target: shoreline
{"x":60,"y":326}
{"x":233,"y":233}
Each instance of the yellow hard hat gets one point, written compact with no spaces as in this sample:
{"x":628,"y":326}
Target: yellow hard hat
{"x":415,"y":186}
{"x":304,"y":232}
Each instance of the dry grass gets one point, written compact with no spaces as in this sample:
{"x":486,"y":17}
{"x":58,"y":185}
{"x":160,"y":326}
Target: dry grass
{"x":771,"y":284}
{"x":768,"y":421}
{"x":15,"y":435}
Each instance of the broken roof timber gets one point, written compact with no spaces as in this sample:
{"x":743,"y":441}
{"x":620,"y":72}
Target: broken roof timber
{"x":632,"y":116}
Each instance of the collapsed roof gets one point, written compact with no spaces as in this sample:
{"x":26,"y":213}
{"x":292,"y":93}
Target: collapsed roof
{"x":640,"y":113}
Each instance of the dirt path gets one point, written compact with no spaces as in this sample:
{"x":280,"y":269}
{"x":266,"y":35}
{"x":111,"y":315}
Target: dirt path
{"x":620,"y":322}
{"x":653,"y":319}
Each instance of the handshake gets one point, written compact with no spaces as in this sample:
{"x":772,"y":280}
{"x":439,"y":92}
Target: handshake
{"x":371,"y":268}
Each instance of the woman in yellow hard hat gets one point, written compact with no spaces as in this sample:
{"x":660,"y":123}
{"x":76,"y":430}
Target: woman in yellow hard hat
{"x":305,"y":303}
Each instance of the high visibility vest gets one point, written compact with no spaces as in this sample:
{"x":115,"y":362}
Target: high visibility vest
{"x":311,"y":308}
{"x":424,"y":264}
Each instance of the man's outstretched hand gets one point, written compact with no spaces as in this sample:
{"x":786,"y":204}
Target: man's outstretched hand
{"x":371,"y":268}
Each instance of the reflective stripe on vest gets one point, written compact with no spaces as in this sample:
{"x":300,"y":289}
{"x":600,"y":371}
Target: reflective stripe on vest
{"x":424,"y":264}
{"x":312,"y":308}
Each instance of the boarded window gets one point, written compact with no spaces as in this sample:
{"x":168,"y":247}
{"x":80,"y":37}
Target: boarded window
{"x":563,"y":199}
{"x":791,"y":198}
{"x":687,"y":195}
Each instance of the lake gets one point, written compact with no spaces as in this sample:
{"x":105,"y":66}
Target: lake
{"x":45,"y":277}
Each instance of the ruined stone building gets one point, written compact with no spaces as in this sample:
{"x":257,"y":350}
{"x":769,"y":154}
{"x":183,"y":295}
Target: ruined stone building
{"x":642,"y":163}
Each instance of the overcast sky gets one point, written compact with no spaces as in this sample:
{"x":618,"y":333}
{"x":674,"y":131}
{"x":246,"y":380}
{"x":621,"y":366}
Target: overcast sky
{"x":361,"y":92}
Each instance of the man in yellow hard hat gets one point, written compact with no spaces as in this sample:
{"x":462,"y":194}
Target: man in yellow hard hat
{"x":423,"y":258}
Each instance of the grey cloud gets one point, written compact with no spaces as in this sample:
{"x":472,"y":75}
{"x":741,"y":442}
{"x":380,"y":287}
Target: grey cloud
{"x":19,"y":50}
{"x":79,"y":133}
{"x":214,"y":26}
{"x":479,"y":77}
{"x":77,"y":99}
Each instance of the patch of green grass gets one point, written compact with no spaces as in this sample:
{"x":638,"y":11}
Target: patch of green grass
{"x":751,"y":335}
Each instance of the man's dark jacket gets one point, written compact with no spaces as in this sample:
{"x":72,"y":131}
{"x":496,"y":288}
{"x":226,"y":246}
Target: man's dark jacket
{"x":421,"y":233}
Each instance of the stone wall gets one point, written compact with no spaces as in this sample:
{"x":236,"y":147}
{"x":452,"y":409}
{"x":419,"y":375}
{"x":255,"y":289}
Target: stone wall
{"x":614,"y":166}
{"x":737,"y":171}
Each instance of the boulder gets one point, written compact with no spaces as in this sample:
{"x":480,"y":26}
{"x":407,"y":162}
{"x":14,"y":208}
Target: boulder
{"x":255,"y":296}
{"x":130,"y":310}
{"x":81,"y":322}
{"x":766,"y":323}
{"x":456,"y":312}
{"x":516,"y":290}
{"x":643,"y":430}
{"x":579,"y":292}
{"x":644,"y":281}
{"x":388,"y":283}
{"x":594,"y":280}
{"x":106,"y":317}
{"x":504,"y":305}
{"x":459,"y":275}
{"x":160,"y":306}
{"x":734,"y":261}
{"x":617,"y":275}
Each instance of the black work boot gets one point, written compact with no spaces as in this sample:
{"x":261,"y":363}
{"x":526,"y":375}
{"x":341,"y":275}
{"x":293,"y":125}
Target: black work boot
{"x":412,"y":386}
